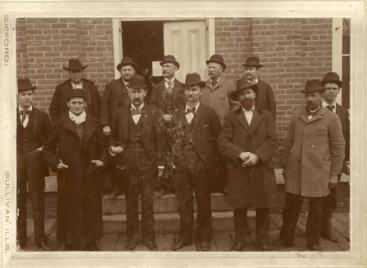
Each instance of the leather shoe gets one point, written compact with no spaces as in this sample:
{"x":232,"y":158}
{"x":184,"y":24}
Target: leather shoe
{"x":91,"y":246}
{"x":282,"y":243}
{"x":22,"y":244}
{"x":204,"y":245}
{"x":262,"y":246}
{"x":314,"y":247}
{"x":238,"y":246}
{"x":180,"y":244}
{"x":131,"y":245}
{"x":43,"y":245}
{"x":151,"y":245}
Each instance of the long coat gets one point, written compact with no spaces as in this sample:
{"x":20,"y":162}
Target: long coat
{"x":265,"y":98}
{"x":114,"y":97}
{"x":79,"y":207}
{"x":315,"y":150}
{"x":218,"y":97}
{"x":59,"y":106}
{"x":249,"y":186}
{"x":343,"y":114}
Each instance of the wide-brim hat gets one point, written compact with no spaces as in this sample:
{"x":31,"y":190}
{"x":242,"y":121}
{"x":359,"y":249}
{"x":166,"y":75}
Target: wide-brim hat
{"x":252,"y":61}
{"x":193,"y":79}
{"x":127,"y":61}
{"x":170,"y":59}
{"x":313,"y":85}
{"x":241,"y":85}
{"x":25,"y":84}
{"x":217,"y":59}
{"x":331,"y":77}
{"x":75,"y":65}
{"x":77,"y":93}
{"x":137,"y":81}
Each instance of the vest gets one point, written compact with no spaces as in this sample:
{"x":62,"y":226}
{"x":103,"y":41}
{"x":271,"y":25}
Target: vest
{"x":26,"y":141}
{"x":135,"y":132}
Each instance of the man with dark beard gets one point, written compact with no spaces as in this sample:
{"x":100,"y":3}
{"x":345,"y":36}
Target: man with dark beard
{"x":247,"y":142}
{"x":315,"y":155}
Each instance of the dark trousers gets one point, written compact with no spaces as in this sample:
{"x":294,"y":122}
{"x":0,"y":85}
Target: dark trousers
{"x":241,"y":225}
{"x":140,"y":174}
{"x":292,"y":208}
{"x":329,"y":207}
{"x":30,"y":173}
{"x":187,"y":183}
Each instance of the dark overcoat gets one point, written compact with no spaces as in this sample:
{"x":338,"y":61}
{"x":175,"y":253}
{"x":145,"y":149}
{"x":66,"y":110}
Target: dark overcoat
{"x":343,"y":114}
{"x":250,"y":186}
{"x":265,"y":98}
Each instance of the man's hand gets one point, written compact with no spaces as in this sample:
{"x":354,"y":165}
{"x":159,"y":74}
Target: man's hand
{"x":244,"y":156}
{"x":106,"y":130}
{"x":61,"y":165}
{"x":98,"y":163}
{"x":160,"y":171}
{"x":347,"y":168}
{"x":116,"y":150}
{"x":333,"y":181}
{"x":251,"y":160}
{"x":167,"y":118}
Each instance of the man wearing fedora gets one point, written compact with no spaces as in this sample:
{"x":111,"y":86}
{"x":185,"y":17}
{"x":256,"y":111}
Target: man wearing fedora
{"x":332,"y":85}
{"x":33,"y":127}
{"x":314,"y":158}
{"x":217,"y":90}
{"x":193,"y":139}
{"x":136,"y":143}
{"x":76,"y":81}
{"x":75,"y":151}
{"x":265,"y":96}
{"x":247,"y":141}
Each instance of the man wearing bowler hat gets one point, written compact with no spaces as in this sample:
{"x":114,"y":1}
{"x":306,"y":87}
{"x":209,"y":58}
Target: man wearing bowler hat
{"x":76,"y":81}
{"x":217,"y":90}
{"x":193,"y":139}
{"x":332,"y":85}
{"x":265,"y":96}
{"x":247,"y":141}
{"x":75,"y":151}
{"x":33,"y":127}
{"x":314,"y":158}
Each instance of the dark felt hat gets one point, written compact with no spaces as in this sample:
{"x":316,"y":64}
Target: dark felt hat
{"x":25,"y":84}
{"x":217,"y":59}
{"x":313,"y":85}
{"x":127,"y":61}
{"x":252,"y":61}
{"x":137,"y":81}
{"x":331,"y":77}
{"x":193,"y":79}
{"x":77,"y":93}
{"x":241,"y":85}
{"x":75,"y":65}
{"x":170,"y":59}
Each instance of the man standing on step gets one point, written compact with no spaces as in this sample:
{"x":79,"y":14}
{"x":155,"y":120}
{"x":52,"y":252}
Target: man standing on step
{"x":76,"y":80}
{"x":248,"y":142}
{"x":315,"y":155}
{"x":136,"y":144}
{"x":332,"y":85}
{"x":33,"y":127}
{"x":74,"y":149}
{"x":193,"y":138}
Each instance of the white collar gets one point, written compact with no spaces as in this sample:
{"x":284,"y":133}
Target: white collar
{"x":196,"y":107}
{"x":219,"y":78}
{"x":167,"y":80}
{"x":252,"y":109}
{"x":78,"y":119}
{"x":29,"y":109}
{"x":325,"y":104}
{"x":132,"y":107}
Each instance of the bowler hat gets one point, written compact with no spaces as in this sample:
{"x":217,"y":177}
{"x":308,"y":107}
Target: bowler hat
{"x":193,"y":79}
{"x":331,"y":77}
{"x":252,"y":61}
{"x":241,"y":85}
{"x":313,"y":85}
{"x":25,"y":84}
{"x":170,"y":59}
{"x":217,"y":59}
{"x":127,"y":61}
{"x":77,"y":93}
{"x":74,"y":65}
{"x":137,"y":81}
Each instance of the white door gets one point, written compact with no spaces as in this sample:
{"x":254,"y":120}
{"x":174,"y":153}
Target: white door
{"x":186,"y":40}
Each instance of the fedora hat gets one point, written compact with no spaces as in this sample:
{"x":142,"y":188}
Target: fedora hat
{"x":332,"y":77}
{"x":252,"y":61}
{"x":241,"y":85}
{"x":137,"y":81}
{"x":313,"y":85}
{"x":127,"y":61}
{"x":77,"y":93}
{"x":170,"y":59}
{"x":217,"y":59}
{"x":193,"y":79}
{"x":75,"y":65}
{"x":25,"y":84}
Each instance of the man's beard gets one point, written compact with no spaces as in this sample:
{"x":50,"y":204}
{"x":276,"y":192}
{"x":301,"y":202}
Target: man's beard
{"x":311,"y":106}
{"x":247,"y":104}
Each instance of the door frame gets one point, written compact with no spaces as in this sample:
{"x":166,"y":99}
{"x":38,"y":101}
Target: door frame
{"x":118,"y":42}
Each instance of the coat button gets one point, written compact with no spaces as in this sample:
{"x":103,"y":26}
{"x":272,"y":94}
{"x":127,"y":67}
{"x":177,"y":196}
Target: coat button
{"x":312,"y":146}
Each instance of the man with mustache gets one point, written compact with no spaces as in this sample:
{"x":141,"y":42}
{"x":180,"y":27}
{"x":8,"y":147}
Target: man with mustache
{"x":315,"y":154}
{"x":247,"y":141}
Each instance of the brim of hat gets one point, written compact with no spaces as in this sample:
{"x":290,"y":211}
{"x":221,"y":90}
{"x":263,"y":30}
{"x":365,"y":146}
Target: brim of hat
{"x":221,"y":63}
{"x":74,"y":69}
{"x":27,"y":89}
{"x":253,"y":65}
{"x":201,"y":84}
{"x":234,"y":94}
{"x":168,"y":61}
{"x":143,"y":87}
{"x":339,"y":83}
{"x":313,"y":90}
{"x":120,"y":65}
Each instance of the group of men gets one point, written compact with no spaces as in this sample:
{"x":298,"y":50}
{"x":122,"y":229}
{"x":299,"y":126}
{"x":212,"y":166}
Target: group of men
{"x":201,"y":133}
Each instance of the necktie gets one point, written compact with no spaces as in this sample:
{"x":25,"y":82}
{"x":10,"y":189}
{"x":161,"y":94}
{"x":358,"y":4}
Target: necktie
{"x":169,"y":86}
{"x":214,"y":82}
{"x":136,"y":111}
{"x":23,"y":116}
{"x":192,"y":110}
{"x":330,"y":108}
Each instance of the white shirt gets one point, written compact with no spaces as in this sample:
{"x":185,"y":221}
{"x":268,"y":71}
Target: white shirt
{"x":190,"y":116}
{"x":325,"y":105}
{"x":249,"y":115}
{"x":167,"y":83}
{"x":77,"y":119}
{"x":26,"y":120}
{"x":77,"y":86}
{"x":136,"y":117}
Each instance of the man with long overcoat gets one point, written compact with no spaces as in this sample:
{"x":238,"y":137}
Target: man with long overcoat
{"x":76,"y":80}
{"x":314,"y":159}
{"x":74,"y":150}
{"x":248,"y":141}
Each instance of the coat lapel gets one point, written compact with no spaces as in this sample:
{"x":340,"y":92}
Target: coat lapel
{"x":90,"y":126}
{"x":197,"y":116}
{"x":34,"y":116}
{"x":242,"y":119}
{"x":256,"y":120}
{"x":125,"y":122}
{"x":70,"y":126}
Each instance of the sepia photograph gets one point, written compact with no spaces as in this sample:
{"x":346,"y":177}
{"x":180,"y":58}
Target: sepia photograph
{"x":181,"y":136}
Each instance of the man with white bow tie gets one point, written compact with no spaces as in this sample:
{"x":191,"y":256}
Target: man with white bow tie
{"x":74,"y":149}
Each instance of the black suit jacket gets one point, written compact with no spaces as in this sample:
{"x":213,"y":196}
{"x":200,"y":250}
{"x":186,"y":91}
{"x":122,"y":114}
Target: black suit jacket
{"x":265,"y":98}
{"x":343,"y":114}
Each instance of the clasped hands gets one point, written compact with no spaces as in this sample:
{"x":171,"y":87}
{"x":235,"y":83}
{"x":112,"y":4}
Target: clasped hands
{"x":248,"y":159}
